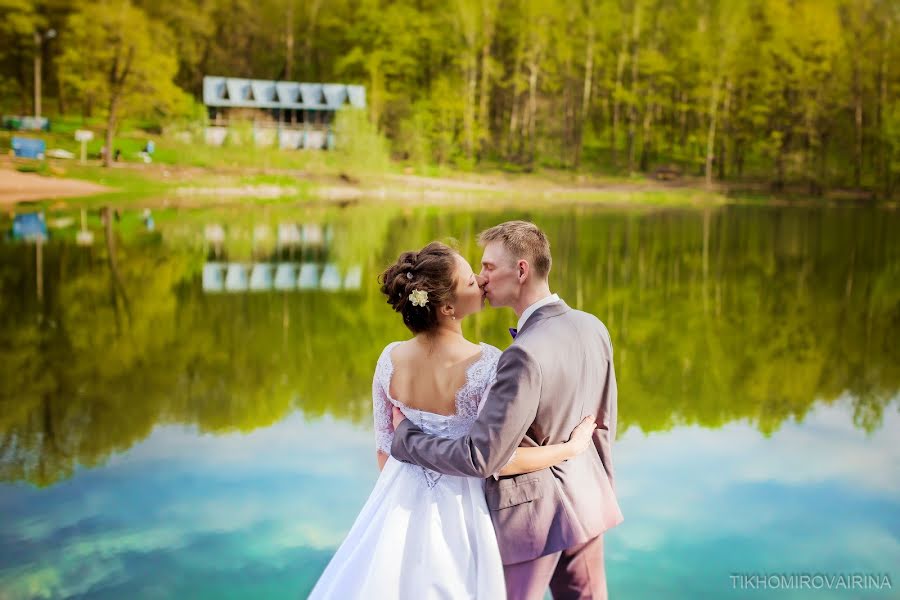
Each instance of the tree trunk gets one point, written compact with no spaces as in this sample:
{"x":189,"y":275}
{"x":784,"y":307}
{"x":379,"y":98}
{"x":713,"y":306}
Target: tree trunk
{"x":780,"y":160}
{"x":485,"y":83}
{"x":585,"y":89}
{"x":60,"y":95}
{"x":858,"y":123}
{"x":309,"y":56}
{"x":532,"y":109}
{"x":568,"y":115}
{"x":823,"y":164}
{"x":617,"y":96}
{"x":117,"y":79}
{"x":289,"y":40}
{"x":711,"y":131}
{"x":22,"y":78}
{"x":376,"y":85}
{"x":726,"y":127}
{"x":110,"y":130}
{"x":513,"y":124}
{"x":884,"y":147}
{"x":646,"y":143}
{"x":472,"y":92}
{"x":514,"y":109}
{"x":633,"y":109}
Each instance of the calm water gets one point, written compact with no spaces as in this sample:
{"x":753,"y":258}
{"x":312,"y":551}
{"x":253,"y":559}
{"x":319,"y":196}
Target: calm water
{"x":164,"y":433}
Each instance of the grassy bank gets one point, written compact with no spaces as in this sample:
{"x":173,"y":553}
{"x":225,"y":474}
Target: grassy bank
{"x":188,"y":173}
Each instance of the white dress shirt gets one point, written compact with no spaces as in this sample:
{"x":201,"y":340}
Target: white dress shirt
{"x":530,"y":310}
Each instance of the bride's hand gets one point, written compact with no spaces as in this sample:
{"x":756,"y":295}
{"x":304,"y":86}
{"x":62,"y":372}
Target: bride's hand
{"x":581,"y":436}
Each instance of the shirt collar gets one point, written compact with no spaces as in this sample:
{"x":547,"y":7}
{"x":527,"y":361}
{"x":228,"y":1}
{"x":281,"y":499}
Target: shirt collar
{"x":531,"y":309}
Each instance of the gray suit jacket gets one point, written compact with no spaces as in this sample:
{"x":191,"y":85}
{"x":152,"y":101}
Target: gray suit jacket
{"x":558,"y":370}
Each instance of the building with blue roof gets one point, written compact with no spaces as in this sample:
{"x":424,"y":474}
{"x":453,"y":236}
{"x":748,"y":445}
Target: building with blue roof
{"x":287,"y":113}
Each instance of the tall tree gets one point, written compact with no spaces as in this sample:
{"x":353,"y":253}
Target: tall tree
{"x":114,"y":53}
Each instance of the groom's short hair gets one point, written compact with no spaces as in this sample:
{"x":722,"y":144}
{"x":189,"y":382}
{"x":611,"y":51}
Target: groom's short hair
{"x":522,"y":240}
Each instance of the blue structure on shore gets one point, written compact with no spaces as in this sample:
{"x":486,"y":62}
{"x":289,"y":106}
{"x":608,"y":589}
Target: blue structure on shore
{"x":28,"y":147}
{"x":290,"y":114}
{"x":283,"y":96}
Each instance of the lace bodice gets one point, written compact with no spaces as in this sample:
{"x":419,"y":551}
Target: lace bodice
{"x":479,"y":377}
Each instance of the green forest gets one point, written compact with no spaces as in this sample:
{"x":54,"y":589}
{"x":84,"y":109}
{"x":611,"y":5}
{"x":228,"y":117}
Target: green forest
{"x":798,"y":94}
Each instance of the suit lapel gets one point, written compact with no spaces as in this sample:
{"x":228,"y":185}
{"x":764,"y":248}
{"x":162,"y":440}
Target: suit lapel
{"x":545,"y":312}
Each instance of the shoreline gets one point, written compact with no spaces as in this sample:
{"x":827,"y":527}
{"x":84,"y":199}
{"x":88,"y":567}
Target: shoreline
{"x":174,"y":186}
{"x":17,"y":187}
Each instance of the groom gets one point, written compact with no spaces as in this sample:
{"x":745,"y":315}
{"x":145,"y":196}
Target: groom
{"x":558,"y":369}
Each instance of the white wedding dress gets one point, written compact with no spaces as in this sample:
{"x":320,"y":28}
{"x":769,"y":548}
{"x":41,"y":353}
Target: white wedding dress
{"x":421,"y":534}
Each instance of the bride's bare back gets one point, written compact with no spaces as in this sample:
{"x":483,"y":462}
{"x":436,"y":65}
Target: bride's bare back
{"x":428,"y":374}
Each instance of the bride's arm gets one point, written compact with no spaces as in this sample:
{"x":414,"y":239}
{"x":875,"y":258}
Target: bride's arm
{"x":529,"y":458}
{"x":381,"y":410}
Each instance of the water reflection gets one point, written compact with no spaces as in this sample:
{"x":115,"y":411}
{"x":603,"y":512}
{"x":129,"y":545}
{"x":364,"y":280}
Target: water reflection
{"x":284,"y":276}
{"x":259,"y":514}
{"x":816,"y":497}
{"x":756,"y":355}
{"x":749,"y":314}
{"x":185,"y":515}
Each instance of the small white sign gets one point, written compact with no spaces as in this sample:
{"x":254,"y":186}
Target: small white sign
{"x":84,"y":135}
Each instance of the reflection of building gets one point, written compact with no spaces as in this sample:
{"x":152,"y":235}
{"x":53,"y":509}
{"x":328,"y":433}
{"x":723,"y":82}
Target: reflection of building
{"x":288,"y":241}
{"x":284,"y":113}
{"x":237,"y":277}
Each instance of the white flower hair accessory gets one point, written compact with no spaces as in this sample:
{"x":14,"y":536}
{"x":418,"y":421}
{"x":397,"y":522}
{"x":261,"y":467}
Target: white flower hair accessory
{"x":419,"y":297}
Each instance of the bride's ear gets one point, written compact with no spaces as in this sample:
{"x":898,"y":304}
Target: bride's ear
{"x":447,"y":310}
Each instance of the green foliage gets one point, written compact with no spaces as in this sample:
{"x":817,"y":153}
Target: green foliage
{"x":358,"y":143}
{"x":116,"y":37}
{"x":116,"y":56}
{"x":798,"y":93}
{"x":18,"y":21}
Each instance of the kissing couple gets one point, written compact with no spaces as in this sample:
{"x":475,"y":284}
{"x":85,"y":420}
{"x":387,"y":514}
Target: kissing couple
{"x":496,"y":467}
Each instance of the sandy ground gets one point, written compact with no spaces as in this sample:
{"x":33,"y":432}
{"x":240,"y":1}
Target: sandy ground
{"x":16,"y":187}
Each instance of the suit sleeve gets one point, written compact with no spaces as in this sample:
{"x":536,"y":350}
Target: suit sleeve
{"x":508,"y":412}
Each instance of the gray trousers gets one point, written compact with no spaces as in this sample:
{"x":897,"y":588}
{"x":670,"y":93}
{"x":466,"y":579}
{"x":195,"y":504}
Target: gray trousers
{"x":573,"y":573}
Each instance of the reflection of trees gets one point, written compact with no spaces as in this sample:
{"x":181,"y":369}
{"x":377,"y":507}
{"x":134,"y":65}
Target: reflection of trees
{"x":743,"y":313}
{"x":72,"y":378}
{"x":116,"y":287}
{"x":77,"y":387}
{"x":773,"y":327}
{"x":775,"y":310}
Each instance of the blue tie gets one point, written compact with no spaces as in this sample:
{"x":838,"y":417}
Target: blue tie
{"x":513,"y":332}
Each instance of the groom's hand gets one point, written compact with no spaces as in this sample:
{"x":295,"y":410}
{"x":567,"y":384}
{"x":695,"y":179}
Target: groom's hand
{"x":399,"y":417}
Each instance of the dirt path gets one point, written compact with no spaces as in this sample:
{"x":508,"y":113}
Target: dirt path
{"x":17,"y":187}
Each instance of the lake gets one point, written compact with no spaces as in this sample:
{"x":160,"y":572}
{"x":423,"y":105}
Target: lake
{"x":186,"y":412}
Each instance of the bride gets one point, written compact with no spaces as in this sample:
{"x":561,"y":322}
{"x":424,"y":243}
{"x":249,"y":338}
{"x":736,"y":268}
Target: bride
{"x":422,"y":534}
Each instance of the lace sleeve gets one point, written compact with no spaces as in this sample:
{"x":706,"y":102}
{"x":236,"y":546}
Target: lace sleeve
{"x":381,"y":404}
{"x":487,"y":373}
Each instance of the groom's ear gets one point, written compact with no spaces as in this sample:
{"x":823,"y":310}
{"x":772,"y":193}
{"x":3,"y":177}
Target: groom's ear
{"x":524,"y":269}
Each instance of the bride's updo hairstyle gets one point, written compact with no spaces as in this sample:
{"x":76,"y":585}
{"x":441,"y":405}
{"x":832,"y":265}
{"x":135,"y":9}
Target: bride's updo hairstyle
{"x":432,"y":269}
